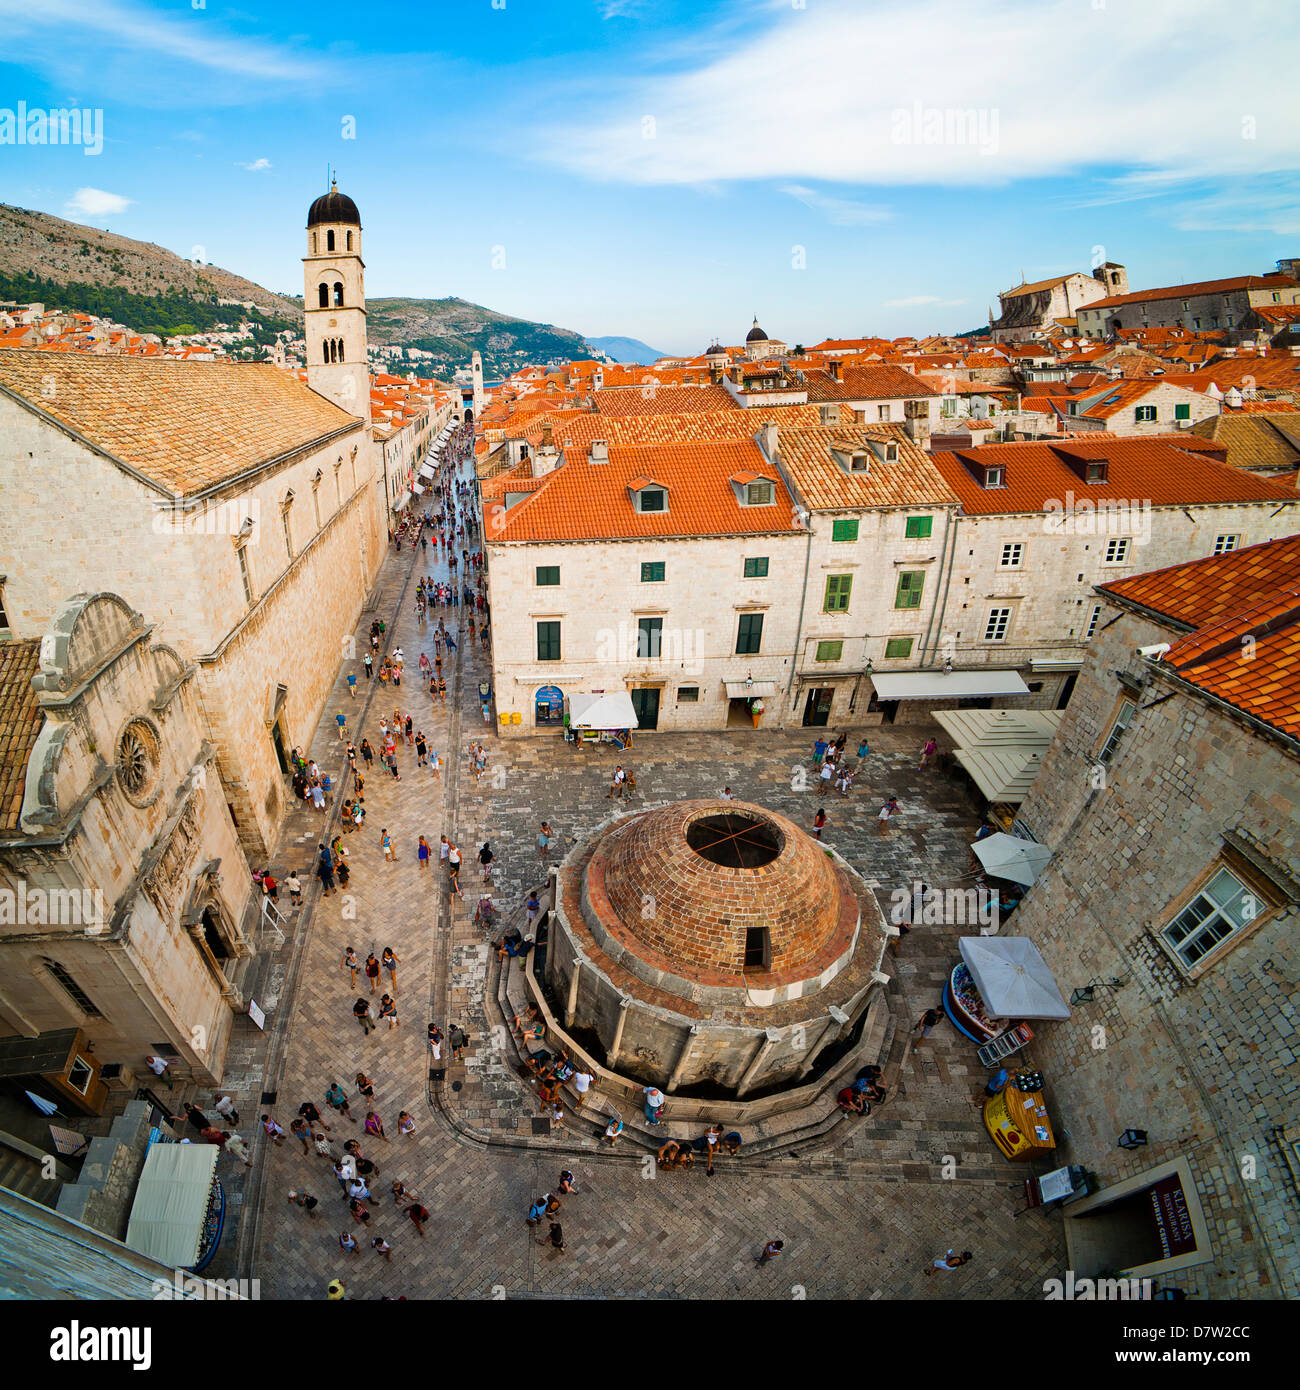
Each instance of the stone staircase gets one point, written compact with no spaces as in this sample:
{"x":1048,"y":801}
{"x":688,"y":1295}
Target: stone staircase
{"x":783,"y":1133}
{"x":22,"y":1170}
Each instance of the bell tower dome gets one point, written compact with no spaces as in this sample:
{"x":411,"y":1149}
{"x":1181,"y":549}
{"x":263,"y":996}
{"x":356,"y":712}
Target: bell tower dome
{"x":334,"y":303}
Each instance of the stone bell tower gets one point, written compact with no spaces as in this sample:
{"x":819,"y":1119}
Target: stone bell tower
{"x":476,"y":377}
{"x":334,"y":303}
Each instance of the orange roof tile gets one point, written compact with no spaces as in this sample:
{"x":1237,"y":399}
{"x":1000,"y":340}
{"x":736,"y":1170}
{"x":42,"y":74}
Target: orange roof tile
{"x":664,"y":400}
{"x":1154,"y":471}
{"x":1234,"y":282}
{"x":584,"y":501}
{"x":1225,"y":603}
{"x":20,"y":722}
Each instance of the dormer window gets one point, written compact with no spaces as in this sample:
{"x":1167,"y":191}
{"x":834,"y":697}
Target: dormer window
{"x":759,"y":494}
{"x":1096,"y":471}
{"x":852,"y":460}
{"x":651,"y":499}
{"x":891,"y":452}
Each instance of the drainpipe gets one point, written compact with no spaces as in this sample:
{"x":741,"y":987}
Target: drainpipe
{"x":687,"y":1048}
{"x":941,"y":606}
{"x":764,"y":1050}
{"x":616,"y":1046}
{"x":803,"y":600}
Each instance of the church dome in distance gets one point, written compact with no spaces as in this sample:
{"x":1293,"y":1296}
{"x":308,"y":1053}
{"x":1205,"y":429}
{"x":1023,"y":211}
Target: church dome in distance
{"x":756,"y":334}
{"x":333,"y":207}
{"x":715,"y":349}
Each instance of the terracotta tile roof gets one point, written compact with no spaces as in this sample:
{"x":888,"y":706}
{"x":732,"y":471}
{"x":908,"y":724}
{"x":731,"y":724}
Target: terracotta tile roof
{"x":1275,"y":372}
{"x":578,"y":431}
{"x":806,"y":454}
{"x":585,"y":501}
{"x":1234,"y":282}
{"x":876,"y":381}
{"x":185,"y":425}
{"x":1220,"y":602}
{"x":1155,"y":471}
{"x":1257,"y":440}
{"x":20,"y":722}
{"x":1037,"y":285}
{"x":664,"y":400}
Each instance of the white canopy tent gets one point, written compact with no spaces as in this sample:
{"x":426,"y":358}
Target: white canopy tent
{"x":610,"y":711}
{"x":1013,"y":979}
{"x":1000,"y":748}
{"x":1008,"y":856}
{"x":171,"y":1203}
{"x":944,"y":685}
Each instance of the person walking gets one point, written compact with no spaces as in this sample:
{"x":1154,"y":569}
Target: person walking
{"x":341,"y":720}
{"x":890,"y":808}
{"x":347,"y":1242}
{"x":418,"y":1216}
{"x":225,"y":1107}
{"x":274,"y":1131}
{"x":390,"y":962}
{"x":301,"y":1130}
{"x":366,"y":1089}
{"x":554,"y":1237}
{"x":421,"y":750}
{"x":654,"y":1103}
{"x":304,"y":1200}
{"x":863,"y":750}
{"x":368,"y":662}
{"x":336,"y":1098}
{"x":235,"y":1145}
{"x":367,"y":753}
{"x":379,"y":1245}
{"x":435,"y":1042}
{"x":311,"y":1114}
{"x":453,"y":870}
{"x":197,"y":1118}
{"x":819,"y":823}
{"x":458,"y":1039}
{"x":949,"y":1261}
{"x":351,"y":964}
{"x":486,"y":859}
{"x":422,"y":852}
{"x":928,"y":750}
{"x":364,"y":1014}
{"x":375,"y":1126}
{"x":372,"y":971}
{"x":544,"y":841}
{"x":325,"y":870}
{"x":405,"y":1124}
{"x":388,"y":1010}
{"x":769,"y":1252}
{"x":924,"y":1025}
{"x":612,"y":1130}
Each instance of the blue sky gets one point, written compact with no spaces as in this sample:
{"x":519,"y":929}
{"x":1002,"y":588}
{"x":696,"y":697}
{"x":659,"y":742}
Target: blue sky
{"x":666,"y":170}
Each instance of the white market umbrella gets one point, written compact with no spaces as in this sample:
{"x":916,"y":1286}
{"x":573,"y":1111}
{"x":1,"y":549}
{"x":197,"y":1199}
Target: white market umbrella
{"x":1008,"y":856}
{"x":1012,"y":977}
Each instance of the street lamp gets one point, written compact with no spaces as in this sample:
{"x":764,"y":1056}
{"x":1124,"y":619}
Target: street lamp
{"x":1088,"y":992}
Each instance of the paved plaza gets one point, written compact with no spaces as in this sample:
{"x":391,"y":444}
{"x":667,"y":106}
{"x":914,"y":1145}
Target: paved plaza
{"x":861,"y":1214}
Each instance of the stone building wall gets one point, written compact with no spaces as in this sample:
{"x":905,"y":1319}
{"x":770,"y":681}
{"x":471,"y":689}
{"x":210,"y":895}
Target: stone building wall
{"x":104,"y":1192}
{"x":1207,"y":1063}
{"x":600,"y":598}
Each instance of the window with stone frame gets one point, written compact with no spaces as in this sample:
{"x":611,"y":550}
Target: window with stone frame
{"x":4,"y":616}
{"x":1221,"y":908}
{"x":1121,"y":718}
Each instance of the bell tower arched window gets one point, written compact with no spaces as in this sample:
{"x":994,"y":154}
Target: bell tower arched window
{"x":323,"y":293}
{"x":349,"y":241}
{"x":338,"y":294}
{"x":340,"y":345}
{"x":329,"y":241}
{"x":313,"y":243}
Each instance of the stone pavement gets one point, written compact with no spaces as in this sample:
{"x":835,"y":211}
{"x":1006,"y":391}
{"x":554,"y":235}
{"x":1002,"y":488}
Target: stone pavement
{"x":877,"y":1187}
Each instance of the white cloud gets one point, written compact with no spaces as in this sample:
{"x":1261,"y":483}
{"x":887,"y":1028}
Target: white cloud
{"x":256,"y":166}
{"x":913,"y":301}
{"x":194,"y":38}
{"x":892,"y":93}
{"x":843,"y":212}
{"x":95,"y":202}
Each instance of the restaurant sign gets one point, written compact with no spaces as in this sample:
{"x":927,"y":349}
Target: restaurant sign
{"x":1172,"y":1218}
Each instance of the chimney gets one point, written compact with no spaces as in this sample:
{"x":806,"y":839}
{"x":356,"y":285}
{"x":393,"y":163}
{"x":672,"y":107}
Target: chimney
{"x":548,"y":436}
{"x":767,"y":441}
{"x":600,"y":451}
{"x":837,"y":369}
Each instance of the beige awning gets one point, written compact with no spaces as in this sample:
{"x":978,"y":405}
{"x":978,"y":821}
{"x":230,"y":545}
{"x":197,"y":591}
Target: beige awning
{"x":1000,"y":748}
{"x":744,"y":690}
{"x":171,"y":1203}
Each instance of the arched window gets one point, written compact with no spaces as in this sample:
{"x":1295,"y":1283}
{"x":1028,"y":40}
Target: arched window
{"x":340,"y":349}
{"x":325,"y":351}
{"x":338,"y":293}
{"x":324,"y":295}
{"x":329,"y":241}
{"x":313,"y":243}
{"x":349,"y":241}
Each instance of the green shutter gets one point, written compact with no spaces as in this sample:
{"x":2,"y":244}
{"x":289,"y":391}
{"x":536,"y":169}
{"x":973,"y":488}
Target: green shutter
{"x":845,"y":530}
{"x":919,"y":527}
{"x":910,"y":584}
{"x":548,"y":574}
{"x":829,"y":651}
{"x":756,"y":568}
{"x":749,"y":635}
{"x":548,"y":641}
{"x":652,"y":572}
{"x":898,"y":648}
{"x":1183,"y":412}
{"x":838,"y":588}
